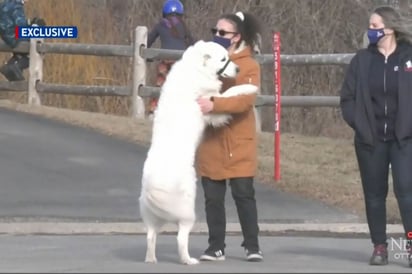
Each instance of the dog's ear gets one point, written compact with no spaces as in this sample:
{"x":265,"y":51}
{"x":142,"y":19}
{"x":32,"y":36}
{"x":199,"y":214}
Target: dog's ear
{"x":206,"y":57}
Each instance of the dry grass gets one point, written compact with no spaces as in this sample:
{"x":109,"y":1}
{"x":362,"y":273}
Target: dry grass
{"x":314,"y":167}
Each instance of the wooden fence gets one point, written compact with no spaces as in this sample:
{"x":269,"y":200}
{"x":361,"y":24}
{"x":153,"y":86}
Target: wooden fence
{"x":138,"y":89}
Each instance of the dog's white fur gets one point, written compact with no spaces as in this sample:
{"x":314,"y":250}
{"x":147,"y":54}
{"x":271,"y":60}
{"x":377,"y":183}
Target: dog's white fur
{"x":169,"y":179}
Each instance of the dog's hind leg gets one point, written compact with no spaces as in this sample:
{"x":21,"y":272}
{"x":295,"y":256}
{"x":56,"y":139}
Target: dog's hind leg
{"x":183,"y":242}
{"x":151,"y":245}
{"x":153,"y":226}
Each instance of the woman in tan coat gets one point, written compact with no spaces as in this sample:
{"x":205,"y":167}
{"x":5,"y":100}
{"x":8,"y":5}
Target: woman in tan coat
{"x":229,"y":153}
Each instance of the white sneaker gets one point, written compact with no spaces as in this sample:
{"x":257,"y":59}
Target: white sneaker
{"x":254,"y":256}
{"x":218,"y":255}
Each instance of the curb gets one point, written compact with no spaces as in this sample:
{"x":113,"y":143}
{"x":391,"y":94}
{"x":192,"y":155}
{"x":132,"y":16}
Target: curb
{"x":84,"y":228}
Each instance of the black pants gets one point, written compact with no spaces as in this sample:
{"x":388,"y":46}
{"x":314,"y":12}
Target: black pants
{"x":374,"y":171}
{"x":243,"y":193}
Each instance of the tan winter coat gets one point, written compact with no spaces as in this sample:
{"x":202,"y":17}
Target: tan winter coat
{"x":231,"y":151}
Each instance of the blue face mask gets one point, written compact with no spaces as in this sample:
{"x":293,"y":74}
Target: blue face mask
{"x":374,"y":35}
{"x":224,"y":42}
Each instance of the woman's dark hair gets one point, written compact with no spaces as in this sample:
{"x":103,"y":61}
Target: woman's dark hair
{"x":394,"y":20}
{"x":247,"y":26}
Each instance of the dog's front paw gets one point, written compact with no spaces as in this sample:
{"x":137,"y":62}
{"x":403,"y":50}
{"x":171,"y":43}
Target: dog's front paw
{"x":249,"y":88}
{"x":190,"y":261}
{"x":240,"y":90}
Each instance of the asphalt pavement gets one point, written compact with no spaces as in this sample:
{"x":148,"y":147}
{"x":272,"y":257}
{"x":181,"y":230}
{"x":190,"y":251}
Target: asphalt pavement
{"x":54,"y":171}
{"x":69,"y":203}
{"x":125,"y":254}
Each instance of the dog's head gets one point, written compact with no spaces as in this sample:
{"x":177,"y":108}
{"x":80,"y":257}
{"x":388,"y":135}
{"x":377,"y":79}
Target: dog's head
{"x":211,"y":58}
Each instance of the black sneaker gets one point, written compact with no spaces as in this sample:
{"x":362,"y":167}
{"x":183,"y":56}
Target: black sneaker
{"x":218,"y":255}
{"x":379,"y":255}
{"x":254,"y":256}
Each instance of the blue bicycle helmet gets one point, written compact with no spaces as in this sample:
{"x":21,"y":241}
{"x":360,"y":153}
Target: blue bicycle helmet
{"x":172,"y":6}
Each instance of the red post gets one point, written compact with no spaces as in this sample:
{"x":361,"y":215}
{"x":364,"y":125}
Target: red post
{"x":277,"y":93}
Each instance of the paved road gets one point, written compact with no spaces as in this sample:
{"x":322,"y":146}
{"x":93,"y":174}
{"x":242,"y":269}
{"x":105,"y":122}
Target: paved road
{"x":122,"y":254}
{"x":59,"y":181}
{"x":54,"y":171}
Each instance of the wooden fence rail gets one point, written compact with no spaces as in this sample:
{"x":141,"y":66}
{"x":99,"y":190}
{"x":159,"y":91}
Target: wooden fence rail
{"x":86,"y":49}
{"x":83,"y":89}
{"x":264,"y":59}
{"x":138,"y":89}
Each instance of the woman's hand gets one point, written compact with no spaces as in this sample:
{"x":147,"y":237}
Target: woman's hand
{"x":206,"y":105}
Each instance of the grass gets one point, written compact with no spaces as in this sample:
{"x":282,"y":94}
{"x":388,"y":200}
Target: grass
{"x":318,"y":168}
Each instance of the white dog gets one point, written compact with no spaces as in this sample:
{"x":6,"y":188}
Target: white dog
{"x":169,"y":179}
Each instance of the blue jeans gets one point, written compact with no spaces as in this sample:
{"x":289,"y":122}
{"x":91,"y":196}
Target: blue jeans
{"x":374,"y":171}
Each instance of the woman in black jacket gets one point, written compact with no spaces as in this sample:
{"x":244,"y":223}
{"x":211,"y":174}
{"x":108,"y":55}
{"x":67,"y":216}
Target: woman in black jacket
{"x":376,"y":102}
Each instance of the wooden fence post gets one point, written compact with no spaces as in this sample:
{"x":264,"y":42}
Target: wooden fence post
{"x":139,"y":72}
{"x":35,"y":72}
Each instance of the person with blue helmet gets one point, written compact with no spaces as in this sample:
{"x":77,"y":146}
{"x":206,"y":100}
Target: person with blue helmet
{"x":173,"y":34}
{"x":173,"y":6}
